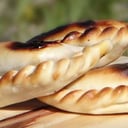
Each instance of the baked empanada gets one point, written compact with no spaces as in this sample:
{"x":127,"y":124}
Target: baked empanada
{"x":100,"y":91}
{"x":46,"y":76}
{"x":91,"y":32}
{"x":51,"y":61}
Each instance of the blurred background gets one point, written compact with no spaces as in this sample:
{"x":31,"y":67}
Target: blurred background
{"x":20,"y":20}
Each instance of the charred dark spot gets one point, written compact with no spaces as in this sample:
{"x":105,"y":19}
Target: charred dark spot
{"x":88,"y":30}
{"x":42,"y":36}
{"x":31,"y":46}
{"x":107,"y":29}
{"x":87,"y":23}
{"x":122,"y":68}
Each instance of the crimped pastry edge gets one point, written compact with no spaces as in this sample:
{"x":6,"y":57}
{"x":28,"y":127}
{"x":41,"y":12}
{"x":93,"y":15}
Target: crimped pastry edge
{"x":48,"y":77}
{"x":109,"y":98}
{"x":106,"y":101}
{"x":89,"y":33}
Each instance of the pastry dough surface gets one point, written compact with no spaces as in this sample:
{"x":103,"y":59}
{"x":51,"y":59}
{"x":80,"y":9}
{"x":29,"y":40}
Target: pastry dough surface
{"x":53,"y":60}
{"x":100,"y":91}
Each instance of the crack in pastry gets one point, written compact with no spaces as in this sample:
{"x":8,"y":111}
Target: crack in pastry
{"x":100,"y":91}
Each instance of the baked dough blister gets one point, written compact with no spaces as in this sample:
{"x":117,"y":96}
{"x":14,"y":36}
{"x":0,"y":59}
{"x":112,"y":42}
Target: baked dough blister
{"x":49,"y":63}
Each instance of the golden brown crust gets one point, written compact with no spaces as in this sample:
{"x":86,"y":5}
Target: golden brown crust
{"x":89,"y":33}
{"x":99,"y":91}
{"x":47,"y":63}
{"x":105,"y":101}
{"x":73,"y":36}
{"x":82,"y":29}
{"x":48,"y":76}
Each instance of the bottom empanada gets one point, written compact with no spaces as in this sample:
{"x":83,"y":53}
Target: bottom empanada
{"x":100,"y":91}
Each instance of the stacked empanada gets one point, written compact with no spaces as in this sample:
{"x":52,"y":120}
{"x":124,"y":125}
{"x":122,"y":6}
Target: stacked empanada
{"x":68,"y":68}
{"x":99,"y":91}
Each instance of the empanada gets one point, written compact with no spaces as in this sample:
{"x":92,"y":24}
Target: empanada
{"x":90,"y":32}
{"x":46,"y":77}
{"x":100,"y":91}
{"x":51,"y":61}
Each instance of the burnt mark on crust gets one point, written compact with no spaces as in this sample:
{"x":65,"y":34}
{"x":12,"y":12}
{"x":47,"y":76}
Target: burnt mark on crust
{"x":39,"y":40}
{"x":88,"y":23}
{"x":41,"y":37}
{"x":121,"y":68}
{"x":31,"y":46}
{"x":87,"y":31}
{"x":107,"y":29}
{"x":42,"y":44}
